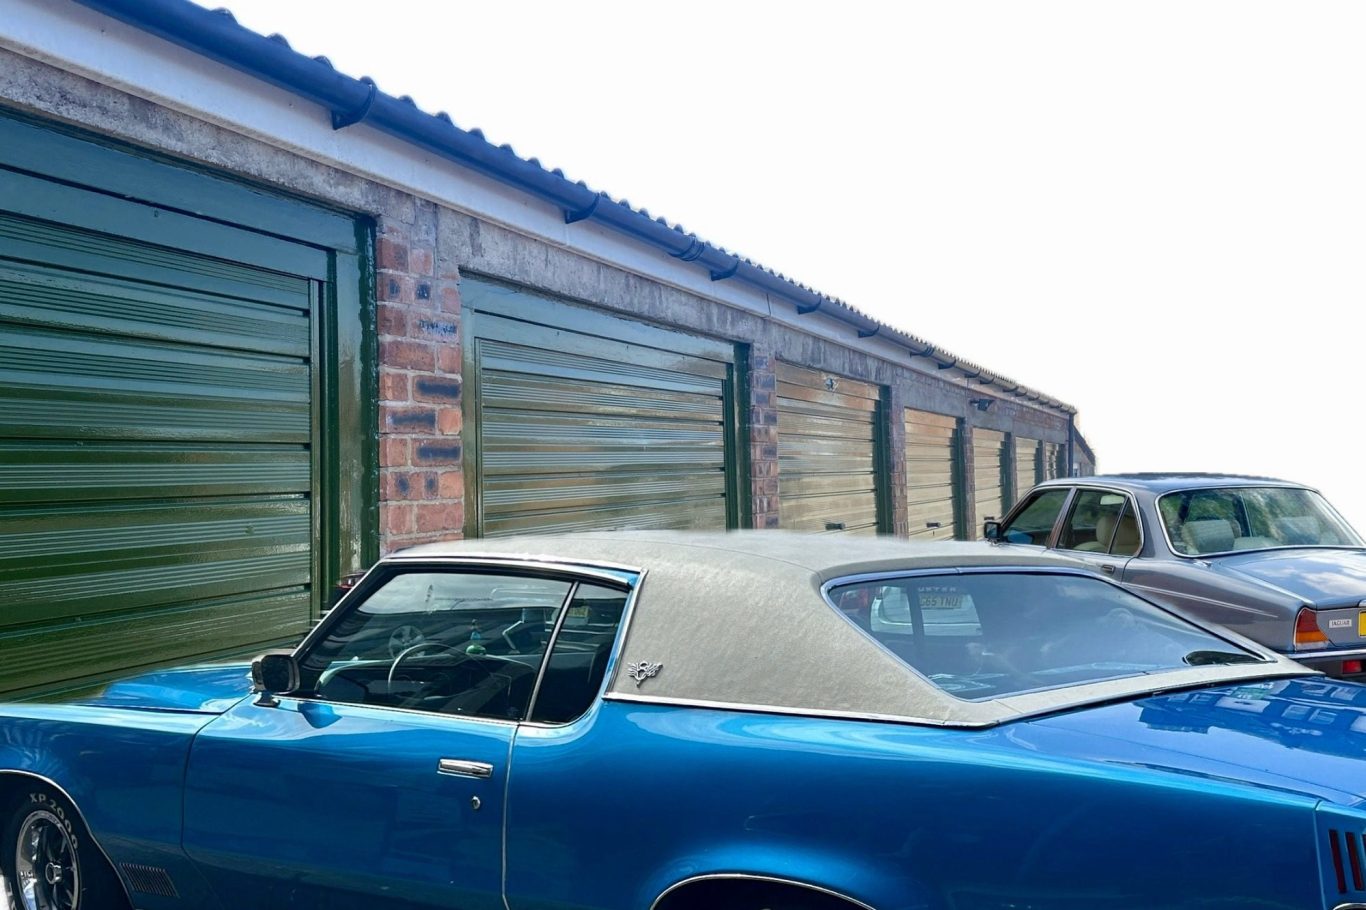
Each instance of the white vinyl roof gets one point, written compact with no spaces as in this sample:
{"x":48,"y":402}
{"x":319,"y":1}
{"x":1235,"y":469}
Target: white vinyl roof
{"x":737,"y":620}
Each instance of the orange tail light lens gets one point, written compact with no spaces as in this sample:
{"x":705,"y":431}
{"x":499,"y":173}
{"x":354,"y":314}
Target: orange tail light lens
{"x":1308,"y":635}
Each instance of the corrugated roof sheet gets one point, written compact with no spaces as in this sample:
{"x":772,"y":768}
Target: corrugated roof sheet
{"x":217,"y":34}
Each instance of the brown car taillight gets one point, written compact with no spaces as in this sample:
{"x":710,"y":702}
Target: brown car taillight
{"x":1308,"y":635}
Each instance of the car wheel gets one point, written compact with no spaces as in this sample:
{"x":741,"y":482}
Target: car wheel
{"x":49,"y":860}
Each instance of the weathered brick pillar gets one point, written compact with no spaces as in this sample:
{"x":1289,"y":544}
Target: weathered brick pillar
{"x":896,"y":459}
{"x":422,"y":490}
{"x":763,"y":438}
{"x":972,"y":527}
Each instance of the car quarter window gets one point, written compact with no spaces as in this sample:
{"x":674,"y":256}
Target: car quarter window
{"x":578,"y":660}
{"x":1034,"y":522}
{"x":988,"y":634}
{"x":461,"y":642}
{"x":1102,"y":521}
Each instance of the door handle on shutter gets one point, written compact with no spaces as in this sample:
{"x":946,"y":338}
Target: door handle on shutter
{"x":834,"y":526}
{"x":459,"y":767}
{"x":932,"y":524}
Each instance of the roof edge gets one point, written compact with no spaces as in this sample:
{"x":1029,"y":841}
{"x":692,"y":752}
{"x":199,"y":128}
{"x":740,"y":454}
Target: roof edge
{"x":216,"y":34}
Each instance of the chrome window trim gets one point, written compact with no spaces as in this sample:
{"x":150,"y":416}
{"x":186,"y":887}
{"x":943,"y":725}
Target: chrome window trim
{"x":613,"y":659}
{"x":574,"y":572}
{"x":1171,"y":548}
{"x":752,"y":877}
{"x":1131,"y":502}
{"x":47,"y":781}
{"x":1266,"y":670}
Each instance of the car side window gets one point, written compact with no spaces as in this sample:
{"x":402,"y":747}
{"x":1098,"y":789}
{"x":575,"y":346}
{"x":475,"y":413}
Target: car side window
{"x":1102,"y":522}
{"x":448,"y":642}
{"x":1034,"y":523}
{"x":578,"y":658}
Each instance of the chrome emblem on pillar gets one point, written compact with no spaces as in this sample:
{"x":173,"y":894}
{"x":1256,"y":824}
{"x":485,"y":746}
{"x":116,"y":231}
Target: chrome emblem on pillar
{"x":642,"y":671}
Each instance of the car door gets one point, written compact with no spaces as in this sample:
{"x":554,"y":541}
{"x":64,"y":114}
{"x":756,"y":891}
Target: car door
{"x":1103,"y":528}
{"x":380,"y":782}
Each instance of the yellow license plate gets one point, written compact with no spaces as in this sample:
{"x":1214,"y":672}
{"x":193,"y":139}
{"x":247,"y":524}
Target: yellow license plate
{"x":1361,"y":624}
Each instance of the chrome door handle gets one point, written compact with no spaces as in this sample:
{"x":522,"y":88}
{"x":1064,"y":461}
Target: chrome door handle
{"x":1108,"y":569}
{"x":461,"y":768}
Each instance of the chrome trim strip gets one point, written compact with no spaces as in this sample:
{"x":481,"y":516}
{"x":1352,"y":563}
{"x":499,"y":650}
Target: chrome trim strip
{"x":79,"y":814}
{"x":770,"y":879}
{"x":597,"y":571}
{"x":459,"y":767}
{"x":1254,"y":672}
{"x":595,"y":567}
{"x":1165,"y":592}
{"x":1309,"y":657}
{"x":296,"y":701}
{"x":1350,"y":907}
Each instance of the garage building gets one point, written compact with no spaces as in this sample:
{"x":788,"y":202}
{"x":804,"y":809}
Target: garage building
{"x":261,"y":321}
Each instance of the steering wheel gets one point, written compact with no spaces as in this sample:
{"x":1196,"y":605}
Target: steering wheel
{"x":422,"y":645}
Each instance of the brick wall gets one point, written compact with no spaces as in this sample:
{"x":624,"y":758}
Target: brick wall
{"x":763,"y":438}
{"x":422,"y":485}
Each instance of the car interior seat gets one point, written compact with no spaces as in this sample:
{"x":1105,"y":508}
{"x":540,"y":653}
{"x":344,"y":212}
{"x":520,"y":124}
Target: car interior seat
{"x":1208,"y":535}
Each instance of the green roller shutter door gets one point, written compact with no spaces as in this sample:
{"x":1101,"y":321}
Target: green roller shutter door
{"x":931,"y":475}
{"x":828,"y":465}
{"x":989,"y":472}
{"x":586,"y":421}
{"x":156,"y":453}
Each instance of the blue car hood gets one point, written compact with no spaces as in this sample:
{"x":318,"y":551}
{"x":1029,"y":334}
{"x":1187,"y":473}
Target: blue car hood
{"x":210,"y":689}
{"x":1323,"y":577}
{"x":1305,"y":735}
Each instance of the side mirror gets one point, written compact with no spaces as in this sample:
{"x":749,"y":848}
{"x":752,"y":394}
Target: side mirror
{"x":274,"y":673}
{"x":991,"y":530}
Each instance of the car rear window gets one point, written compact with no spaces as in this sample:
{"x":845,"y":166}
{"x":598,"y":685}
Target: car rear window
{"x":990,"y":634}
{"x":1225,"y":520}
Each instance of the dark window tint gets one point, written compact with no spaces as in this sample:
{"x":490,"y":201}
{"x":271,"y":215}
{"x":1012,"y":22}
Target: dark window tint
{"x":578,"y":659}
{"x":1035,"y":521}
{"x":983,"y":635}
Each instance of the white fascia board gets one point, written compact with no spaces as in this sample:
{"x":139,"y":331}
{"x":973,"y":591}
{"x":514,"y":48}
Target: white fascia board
{"x":75,"y":38}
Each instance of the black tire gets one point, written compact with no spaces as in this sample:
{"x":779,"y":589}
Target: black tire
{"x":50,"y":861}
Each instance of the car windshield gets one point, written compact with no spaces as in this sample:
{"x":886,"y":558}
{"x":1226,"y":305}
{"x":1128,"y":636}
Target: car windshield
{"x":991,"y":634}
{"x":1205,"y":522}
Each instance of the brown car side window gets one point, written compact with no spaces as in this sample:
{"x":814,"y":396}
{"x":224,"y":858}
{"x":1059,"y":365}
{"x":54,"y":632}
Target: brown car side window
{"x":1034,"y":523}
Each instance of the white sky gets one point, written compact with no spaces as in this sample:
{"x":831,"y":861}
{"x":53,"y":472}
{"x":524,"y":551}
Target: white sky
{"x":1155,"y":211}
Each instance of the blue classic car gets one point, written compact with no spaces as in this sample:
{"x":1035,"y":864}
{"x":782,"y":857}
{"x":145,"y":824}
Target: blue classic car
{"x":655,"y":721}
{"x":1268,"y":559}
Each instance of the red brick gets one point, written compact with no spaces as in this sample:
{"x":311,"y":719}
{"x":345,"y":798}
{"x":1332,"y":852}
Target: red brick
{"x":449,"y":298}
{"x":407,"y":485}
{"x":449,"y":421}
{"x":439,"y":389}
{"x":434,"y":328}
{"x":392,"y":319}
{"x":394,"y":286}
{"x":420,"y":260}
{"x":448,"y":358}
{"x":391,"y":253}
{"x":398,"y":518}
{"x":441,"y":451}
{"x":393,"y":386}
{"x":413,"y":421}
{"x":451,"y":485}
{"x":393,"y":452}
{"x":443,"y":517}
{"x":407,"y":355}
